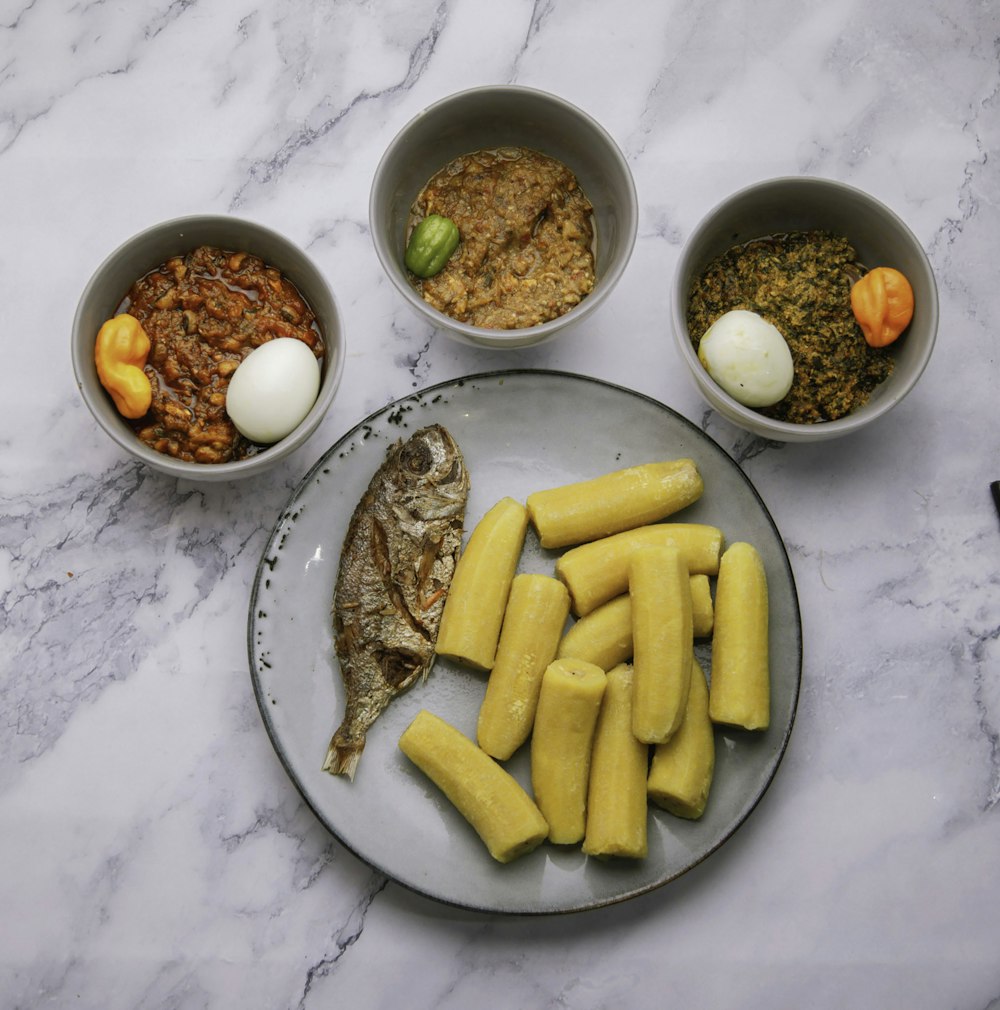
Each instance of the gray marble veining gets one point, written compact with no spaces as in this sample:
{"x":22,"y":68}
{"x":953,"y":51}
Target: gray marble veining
{"x":153,"y":851}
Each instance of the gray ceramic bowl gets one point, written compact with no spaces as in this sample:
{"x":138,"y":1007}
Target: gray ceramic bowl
{"x":495,"y":117}
{"x":144,"y":252}
{"x":803,"y":204}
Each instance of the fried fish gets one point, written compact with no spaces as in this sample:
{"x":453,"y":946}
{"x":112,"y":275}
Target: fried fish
{"x":396,"y":565}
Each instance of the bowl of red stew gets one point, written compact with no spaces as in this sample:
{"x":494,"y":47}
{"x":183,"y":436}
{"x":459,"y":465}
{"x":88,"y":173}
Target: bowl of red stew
{"x":503,"y":214}
{"x":209,"y":347}
{"x":803,"y":308}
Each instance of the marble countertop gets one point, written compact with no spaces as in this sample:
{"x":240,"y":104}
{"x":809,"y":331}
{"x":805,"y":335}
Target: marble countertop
{"x":153,"y":852}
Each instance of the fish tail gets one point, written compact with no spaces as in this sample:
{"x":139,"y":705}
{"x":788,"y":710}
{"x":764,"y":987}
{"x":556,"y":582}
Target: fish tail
{"x":343,"y":755}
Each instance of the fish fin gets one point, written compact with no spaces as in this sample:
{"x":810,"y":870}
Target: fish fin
{"x":343,"y":756}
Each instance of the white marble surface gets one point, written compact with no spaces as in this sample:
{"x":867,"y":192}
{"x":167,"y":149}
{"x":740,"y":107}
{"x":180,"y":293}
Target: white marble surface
{"x":152,"y":851}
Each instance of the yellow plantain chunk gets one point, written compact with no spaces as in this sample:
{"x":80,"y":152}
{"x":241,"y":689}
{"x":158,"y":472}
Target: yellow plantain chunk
{"x":616,"y":797}
{"x":597,"y":572}
{"x":604,"y":636}
{"x":533,"y":623}
{"x":702,"y":611}
{"x":680,"y":775}
{"x":740,"y":693}
{"x":473,"y":611}
{"x":663,"y":643}
{"x":622,"y":500}
{"x":488,"y":797}
{"x":568,"y":706}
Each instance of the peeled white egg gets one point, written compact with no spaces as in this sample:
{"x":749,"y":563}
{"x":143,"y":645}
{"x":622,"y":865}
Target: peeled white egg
{"x":273,"y":389}
{"x":748,"y":357}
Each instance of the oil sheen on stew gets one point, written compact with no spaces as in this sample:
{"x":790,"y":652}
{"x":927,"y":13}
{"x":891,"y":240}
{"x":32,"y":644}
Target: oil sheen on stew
{"x":204,"y":312}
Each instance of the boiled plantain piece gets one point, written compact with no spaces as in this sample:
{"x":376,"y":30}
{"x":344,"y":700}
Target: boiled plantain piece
{"x":617,"y":812}
{"x":622,"y":500}
{"x":568,"y":706}
{"x":680,"y":775}
{"x":597,"y":572}
{"x":473,"y":611}
{"x":533,"y":623}
{"x":740,"y":693}
{"x":604,"y":636}
{"x":702,"y":609}
{"x":487,"y":796}
{"x":663,"y":642}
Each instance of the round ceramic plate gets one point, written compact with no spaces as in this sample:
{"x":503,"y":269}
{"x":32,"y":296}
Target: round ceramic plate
{"x":520,"y":431}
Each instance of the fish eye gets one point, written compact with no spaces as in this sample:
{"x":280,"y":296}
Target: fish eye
{"x":416,"y":458}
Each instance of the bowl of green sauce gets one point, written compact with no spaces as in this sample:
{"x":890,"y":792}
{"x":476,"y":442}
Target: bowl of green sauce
{"x":789,"y":251}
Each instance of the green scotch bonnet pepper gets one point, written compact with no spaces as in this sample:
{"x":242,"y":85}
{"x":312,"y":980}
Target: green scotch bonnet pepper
{"x":431,"y":244}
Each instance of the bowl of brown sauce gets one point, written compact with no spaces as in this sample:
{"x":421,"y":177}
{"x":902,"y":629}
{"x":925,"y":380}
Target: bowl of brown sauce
{"x":181,"y":309}
{"x":540,"y":203}
{"x":790,"y":251}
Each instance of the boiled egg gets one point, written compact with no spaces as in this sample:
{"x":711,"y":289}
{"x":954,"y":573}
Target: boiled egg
{"x":748,"y":357}
{"x":273,"y":389}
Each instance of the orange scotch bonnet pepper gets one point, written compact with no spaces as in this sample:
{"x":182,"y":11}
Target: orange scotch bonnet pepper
{"x":882,"y":301}
{"x":120,"y":353}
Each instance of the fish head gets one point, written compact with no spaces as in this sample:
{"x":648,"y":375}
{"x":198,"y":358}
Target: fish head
{"x":430,"y":466}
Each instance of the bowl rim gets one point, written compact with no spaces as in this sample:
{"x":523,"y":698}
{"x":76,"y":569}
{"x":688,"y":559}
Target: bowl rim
{"x":746,"y":417}
{"x":207,"y":472}
{"x":522,"y":336}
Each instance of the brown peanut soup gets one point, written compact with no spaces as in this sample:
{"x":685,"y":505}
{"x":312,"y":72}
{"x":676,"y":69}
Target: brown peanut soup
{"x":204,"y":312}
{"x":526,"y":230}
{"x":799,"y":282}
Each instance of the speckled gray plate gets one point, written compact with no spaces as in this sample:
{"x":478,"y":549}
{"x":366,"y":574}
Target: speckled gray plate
{"x":519,"y":431}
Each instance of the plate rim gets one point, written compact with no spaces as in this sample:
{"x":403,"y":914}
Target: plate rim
{"x":288,"y":511}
